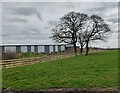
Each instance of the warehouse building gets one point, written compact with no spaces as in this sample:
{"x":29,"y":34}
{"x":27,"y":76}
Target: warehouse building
{"x":32,"y":48}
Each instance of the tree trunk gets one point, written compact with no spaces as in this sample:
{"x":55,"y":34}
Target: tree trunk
{"x":81,"y":49}
{"x":87,"y":48}
{"x":75,"y":48}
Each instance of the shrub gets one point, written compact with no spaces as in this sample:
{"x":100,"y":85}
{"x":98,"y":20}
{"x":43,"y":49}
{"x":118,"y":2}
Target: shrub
{"x":9,"y":55}
{"x":30,"y":54}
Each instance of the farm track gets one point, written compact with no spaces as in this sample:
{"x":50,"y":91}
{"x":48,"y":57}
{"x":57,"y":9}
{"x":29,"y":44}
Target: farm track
{"x":66,"y":90}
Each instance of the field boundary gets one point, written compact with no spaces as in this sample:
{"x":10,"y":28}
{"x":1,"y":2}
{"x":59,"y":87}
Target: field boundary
{"x":32,"y":60}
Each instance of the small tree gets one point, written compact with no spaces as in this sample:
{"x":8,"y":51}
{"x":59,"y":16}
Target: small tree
{"x":66,"y":30}
{"x":95,"y":29}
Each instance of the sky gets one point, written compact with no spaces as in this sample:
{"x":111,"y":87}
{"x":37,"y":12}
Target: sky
{"x":31,"y":22}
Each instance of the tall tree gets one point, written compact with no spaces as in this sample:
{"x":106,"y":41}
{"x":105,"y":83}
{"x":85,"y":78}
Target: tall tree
{"x":81,"y":40}
{"x":66,"y":30}
{"x":95,"y":29}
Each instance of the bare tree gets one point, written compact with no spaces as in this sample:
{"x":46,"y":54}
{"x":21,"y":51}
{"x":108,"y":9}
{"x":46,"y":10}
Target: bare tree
{"x":66,"y":30}
{"x":95,"y":29}
{"x":81,"y":40}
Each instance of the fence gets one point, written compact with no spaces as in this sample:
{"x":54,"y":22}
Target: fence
{"x":27,"y":61}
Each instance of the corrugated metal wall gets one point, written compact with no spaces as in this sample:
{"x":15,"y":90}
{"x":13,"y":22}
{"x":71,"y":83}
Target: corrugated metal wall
{"x":33,"y":48}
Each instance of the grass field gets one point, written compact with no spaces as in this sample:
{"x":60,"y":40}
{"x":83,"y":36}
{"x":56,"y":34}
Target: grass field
{"x":95,"y":70}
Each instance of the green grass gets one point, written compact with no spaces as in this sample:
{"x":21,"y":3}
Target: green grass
{"x":0,"y":78}
{"x":95,"y":70}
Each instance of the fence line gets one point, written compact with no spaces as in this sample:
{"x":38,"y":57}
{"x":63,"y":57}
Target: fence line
{"x":27,"y":61}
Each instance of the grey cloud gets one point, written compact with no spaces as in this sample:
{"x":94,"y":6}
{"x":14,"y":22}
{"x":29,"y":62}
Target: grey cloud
{"x":104,"y":6}
{"x":39,"y":16}
{"x":52,"y":23}
{"x":39,"y":32}
{"x":27,"y":12}
{"x":97,"y":9}
{"x":34,"y":29}
{"x":46,"y":27}
{"x":17,"y":20}
{"x":24,"y":37}
{"x":69,"y":5}
{"x":113,"y":20}
{"x":23,"y":11}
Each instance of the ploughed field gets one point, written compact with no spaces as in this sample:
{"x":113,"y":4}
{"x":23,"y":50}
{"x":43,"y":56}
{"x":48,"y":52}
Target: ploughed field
{"x":97,"y":70}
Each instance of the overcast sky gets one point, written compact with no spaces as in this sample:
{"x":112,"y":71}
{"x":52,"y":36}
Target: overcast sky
{"x":31,"y":22}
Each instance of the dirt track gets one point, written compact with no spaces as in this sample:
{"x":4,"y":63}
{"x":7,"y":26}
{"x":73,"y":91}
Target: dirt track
{"x":94,"y":90}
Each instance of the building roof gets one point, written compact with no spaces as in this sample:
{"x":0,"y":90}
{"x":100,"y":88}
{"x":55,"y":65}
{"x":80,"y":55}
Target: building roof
{"x":29,"y":44}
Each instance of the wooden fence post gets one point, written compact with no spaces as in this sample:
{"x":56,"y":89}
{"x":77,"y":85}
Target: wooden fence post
{"x":14,"y":63}
{"x":4,"y":65}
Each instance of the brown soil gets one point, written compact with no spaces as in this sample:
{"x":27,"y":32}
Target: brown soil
{"x":70,"y":90}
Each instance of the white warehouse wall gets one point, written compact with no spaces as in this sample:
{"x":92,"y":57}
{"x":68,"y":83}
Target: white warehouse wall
{"x":51,"y":48}
{"x":23,"y":48}
{"x":32,"y":49}
{"x":56,"y":48}
{"x":62,"y":48}
{"x":40,"y":48}
{"x":10,"y":49}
